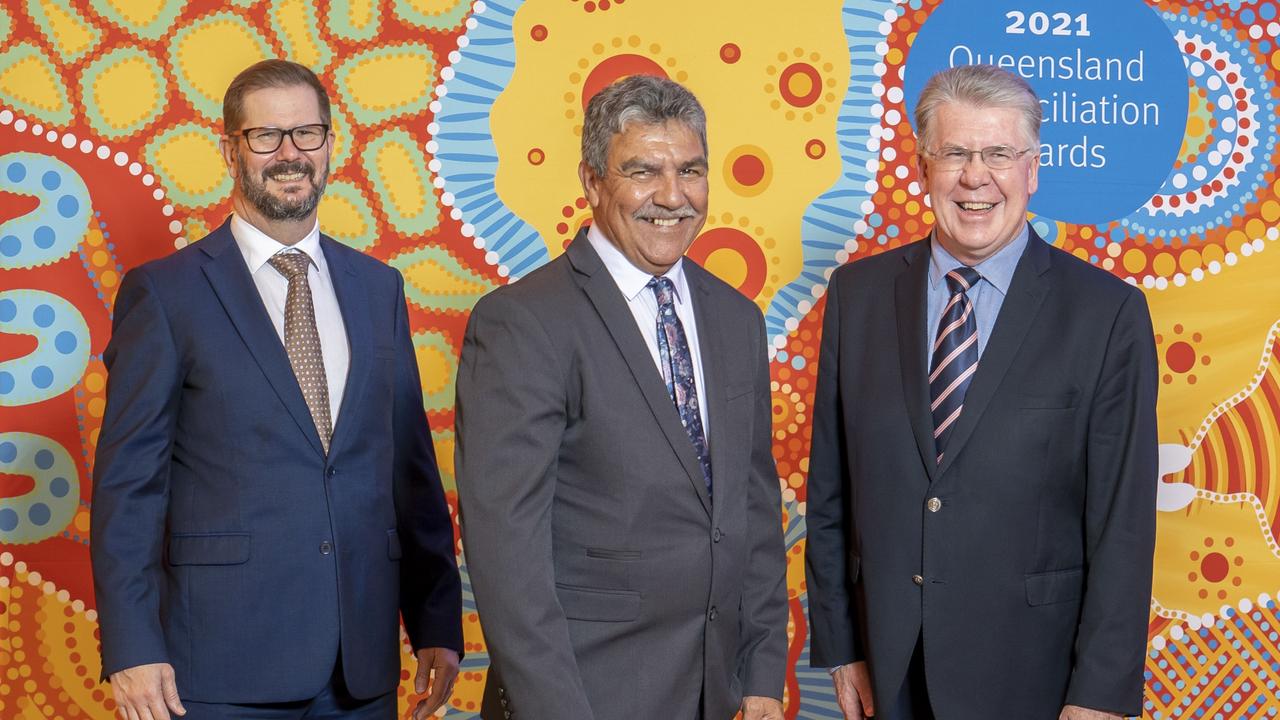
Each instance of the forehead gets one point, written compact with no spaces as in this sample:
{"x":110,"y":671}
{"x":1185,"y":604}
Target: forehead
{"x":278,"y":105}
{"x":961,"y":124}
{"x":672,"y":138}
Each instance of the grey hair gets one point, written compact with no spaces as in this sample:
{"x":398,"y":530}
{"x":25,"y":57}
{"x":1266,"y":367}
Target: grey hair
{"x":979,"y":86}
{"x":644,"y":99}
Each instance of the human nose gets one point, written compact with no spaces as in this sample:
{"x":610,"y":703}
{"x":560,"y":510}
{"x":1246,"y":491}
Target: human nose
{"x":669,"y":193}
{"x":287,"y":149}
{"x":974,"y":172}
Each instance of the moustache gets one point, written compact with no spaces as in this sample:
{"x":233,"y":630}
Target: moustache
{"x":653,"y":212}
{"x":288,"y":167}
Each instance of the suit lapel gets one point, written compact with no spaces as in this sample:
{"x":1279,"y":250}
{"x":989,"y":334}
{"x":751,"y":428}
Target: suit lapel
{"x":229,"y":276}
{"x":910,"y":302}
{"x":1027,"y":291}
{"x":713,"y":350}
{"x":603,"y":293}
{"x":353,"y":301}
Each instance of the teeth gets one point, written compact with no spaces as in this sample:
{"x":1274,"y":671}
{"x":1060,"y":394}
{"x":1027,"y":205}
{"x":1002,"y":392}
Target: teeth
{"x":664,"y":222}
{"x":977,"y":205}
{"x":289,"y":177}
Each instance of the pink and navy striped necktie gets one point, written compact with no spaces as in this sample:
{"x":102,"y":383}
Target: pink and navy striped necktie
{"x":955,"y":356}
{"x":677,"y":371}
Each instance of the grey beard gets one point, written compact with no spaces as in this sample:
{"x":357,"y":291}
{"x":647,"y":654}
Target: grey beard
{"x":280,"y":209}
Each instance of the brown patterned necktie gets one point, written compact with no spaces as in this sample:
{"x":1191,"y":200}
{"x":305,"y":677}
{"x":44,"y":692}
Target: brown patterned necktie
{"x":302,"y":341}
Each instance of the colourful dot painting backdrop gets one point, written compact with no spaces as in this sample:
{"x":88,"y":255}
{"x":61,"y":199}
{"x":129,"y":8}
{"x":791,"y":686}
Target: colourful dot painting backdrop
{"x":457,"y":143}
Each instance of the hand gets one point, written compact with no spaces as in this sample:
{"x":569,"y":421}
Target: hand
{"x":758,"y":707}
{"x":437,"y":669}
{"x":1075,"y":712}
{"x":853,"y":691}
{"x":146,"y":692}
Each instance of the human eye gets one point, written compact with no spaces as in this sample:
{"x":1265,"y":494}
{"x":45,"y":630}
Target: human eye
{"x":309,"y":132}
{"x":999,"y":154}
{"x":952,"y":153}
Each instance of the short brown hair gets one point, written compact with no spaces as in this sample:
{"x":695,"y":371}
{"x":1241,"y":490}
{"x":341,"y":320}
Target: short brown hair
{"x":269,"y":74}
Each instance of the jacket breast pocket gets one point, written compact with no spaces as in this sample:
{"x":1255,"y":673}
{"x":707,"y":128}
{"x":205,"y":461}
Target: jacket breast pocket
{"x":1048,"y":401}
{"x":598,"y":605}
{"x":1055,"y":586}
{"x":208,"y":548}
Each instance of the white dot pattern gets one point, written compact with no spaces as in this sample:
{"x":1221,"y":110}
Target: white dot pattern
{"x":302,"y":341}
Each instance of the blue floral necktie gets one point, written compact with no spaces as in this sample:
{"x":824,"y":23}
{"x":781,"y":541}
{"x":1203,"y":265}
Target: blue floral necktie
{"x":677,"y":371}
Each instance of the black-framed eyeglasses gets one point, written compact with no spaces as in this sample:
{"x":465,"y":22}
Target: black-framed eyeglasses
{"x":266,"y":140}
{"x":996,"y":157}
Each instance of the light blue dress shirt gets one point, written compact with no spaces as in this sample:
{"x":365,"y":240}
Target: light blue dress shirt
{"x":987,"y":296}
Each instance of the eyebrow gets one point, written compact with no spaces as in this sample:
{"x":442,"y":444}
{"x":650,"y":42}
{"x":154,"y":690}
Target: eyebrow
{"x":637,"y":164}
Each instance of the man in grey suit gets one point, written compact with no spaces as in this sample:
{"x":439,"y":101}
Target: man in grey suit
{"x":620,"y":504}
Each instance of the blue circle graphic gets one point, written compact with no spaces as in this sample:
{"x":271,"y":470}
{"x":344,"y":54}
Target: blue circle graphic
{"x":8,"y":310}
{"x":50,"y":180}
{"x":8,"y":520}
{"x":8,"y":452}
{"x":44,"y":237}
{"x":39,"y":513}
{"x":1112,"y":87}
{"x":65,"y":342}
{"x":16,"y":172}
{"x":43,"y":316}
{"x":59,"y":487}
{"x":10,"y":246}
{"x":44,"y":459}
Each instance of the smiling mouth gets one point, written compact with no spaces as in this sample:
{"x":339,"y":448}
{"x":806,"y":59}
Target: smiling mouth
{"x":976,"y":206}
{"x":289,"y":177}
{"x":663,"y":222}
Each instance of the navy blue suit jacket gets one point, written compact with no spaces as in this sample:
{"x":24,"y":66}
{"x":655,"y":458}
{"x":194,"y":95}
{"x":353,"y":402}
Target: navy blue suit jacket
{"x":224,"y":541}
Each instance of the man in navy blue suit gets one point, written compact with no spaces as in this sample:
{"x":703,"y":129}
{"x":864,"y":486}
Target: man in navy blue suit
{"x":266,"y":502}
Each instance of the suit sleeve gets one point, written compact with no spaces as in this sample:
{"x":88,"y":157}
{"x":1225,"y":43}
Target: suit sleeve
{"x":512,"y":393}
{"x":131,"y":477}
{"x":833,"y":625}
{"x":430,"y":587}
{"x":1122,"y":478}
{"x":764,"y":596}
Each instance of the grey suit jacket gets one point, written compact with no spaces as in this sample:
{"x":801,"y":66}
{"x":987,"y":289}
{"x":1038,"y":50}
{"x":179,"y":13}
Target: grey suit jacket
{"x":609,"y":583}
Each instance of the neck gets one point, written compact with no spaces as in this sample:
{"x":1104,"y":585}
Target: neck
{"x":285,"y":232}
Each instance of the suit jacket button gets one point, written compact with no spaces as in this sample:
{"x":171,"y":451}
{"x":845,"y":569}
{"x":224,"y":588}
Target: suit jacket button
{"x":326,"y":547}
{"x":917,"y":579}
{"x":934,"y":504}
{"x":713,"y":614}
{"x":716,"y":535}
{"x":331,"y":471}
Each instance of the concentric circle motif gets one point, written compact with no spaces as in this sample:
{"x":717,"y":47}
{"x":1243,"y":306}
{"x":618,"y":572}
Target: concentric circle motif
{"x":732,"y":255}
{"x":748,"y":171}
{"x":1232,"y":154}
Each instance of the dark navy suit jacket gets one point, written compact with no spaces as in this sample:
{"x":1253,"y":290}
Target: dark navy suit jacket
{"x":1025,"y":558}
{"x":224,"y":541}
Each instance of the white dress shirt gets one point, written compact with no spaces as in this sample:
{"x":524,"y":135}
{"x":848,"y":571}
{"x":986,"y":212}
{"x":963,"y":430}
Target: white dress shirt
{"x":257,"y":248}
{"x":632,"y":282}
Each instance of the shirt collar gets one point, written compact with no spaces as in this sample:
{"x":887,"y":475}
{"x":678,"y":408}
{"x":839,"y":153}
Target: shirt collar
{"x":630,"y":279}
{"x":996,"y":270}
{"x":258,"y":247}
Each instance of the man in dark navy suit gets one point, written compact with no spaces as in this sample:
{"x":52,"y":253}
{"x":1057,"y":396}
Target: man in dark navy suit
{"x":981,"y":509}
{"x":266,"y":503}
